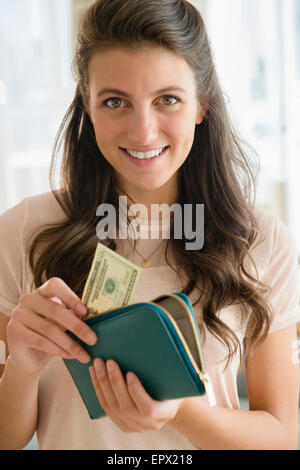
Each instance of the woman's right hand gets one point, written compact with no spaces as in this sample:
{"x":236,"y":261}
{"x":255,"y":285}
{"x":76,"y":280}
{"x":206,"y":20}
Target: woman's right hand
{"x":37,"y":329}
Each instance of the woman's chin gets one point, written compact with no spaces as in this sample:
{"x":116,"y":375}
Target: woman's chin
{"x":147,"y":186}
{"x":144,"y":184}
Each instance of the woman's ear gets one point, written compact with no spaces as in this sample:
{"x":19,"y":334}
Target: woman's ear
{"x":87,"y":108}
{"x":202,"y":109}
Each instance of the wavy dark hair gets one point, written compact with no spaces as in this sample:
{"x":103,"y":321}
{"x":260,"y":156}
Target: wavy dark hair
{"x":217,"y":173}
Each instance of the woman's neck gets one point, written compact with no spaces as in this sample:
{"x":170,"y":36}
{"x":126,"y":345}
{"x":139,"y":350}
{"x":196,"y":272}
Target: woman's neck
{"x":149,"y":201}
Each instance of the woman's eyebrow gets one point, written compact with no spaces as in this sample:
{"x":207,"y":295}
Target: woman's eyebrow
{"x":104,"y":91}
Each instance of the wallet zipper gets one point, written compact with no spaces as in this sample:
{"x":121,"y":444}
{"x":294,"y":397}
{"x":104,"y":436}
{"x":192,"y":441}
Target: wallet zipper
{"x":186,"y":308}
{"x":186,"y":347}
{"x":203,"y":375}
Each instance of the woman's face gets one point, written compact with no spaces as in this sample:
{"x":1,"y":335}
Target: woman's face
{"x":142,"y":102}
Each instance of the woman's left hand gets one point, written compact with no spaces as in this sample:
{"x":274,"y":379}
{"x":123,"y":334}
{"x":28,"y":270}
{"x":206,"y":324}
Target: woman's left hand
{"x":126,"y":402}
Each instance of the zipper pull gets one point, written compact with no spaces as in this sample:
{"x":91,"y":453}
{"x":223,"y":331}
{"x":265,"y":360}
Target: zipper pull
{"x":208,"y":388}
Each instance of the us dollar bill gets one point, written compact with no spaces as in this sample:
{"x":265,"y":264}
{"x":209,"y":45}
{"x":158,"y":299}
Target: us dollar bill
{"x":111,"y":282}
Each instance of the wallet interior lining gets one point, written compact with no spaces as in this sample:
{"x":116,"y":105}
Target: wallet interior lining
{"x":180,"y":316}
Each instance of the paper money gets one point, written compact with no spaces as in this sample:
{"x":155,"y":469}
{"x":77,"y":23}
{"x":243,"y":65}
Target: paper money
{"x":111,"y":282}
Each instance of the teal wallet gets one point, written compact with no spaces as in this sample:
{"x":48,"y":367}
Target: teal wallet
{"x":159,"y":341}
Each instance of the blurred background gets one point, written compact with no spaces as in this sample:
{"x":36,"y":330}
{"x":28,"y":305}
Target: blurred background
{"x":256,"y":48}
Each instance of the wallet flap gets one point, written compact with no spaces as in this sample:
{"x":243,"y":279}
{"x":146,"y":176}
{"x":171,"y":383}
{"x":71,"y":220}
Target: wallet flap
{"x":182,"y":319}
{"x":179,"y":307}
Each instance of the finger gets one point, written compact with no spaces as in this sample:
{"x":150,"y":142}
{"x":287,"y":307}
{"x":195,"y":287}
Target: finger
{"x":33,"y":340}
{"x":104,"y":384}
{"x":98,"y":389}
{"x":53,"y":333}
{"x":56,"y":287}
{"x":58,"y":301}
{"x":113,"y":414}
{"x":142,"y":400}
{"x":59,"y":314}
{"x":119,"y":386}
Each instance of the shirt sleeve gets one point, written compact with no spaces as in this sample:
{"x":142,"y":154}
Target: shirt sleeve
{"x":282,"y":276}
{"x":11,"y":257}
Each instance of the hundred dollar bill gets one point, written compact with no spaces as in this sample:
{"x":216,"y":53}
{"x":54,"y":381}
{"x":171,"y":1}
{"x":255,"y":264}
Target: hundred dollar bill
{"x":111,"y":282}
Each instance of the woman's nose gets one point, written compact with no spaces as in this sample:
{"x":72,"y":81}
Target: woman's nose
{"x":143,"y":127}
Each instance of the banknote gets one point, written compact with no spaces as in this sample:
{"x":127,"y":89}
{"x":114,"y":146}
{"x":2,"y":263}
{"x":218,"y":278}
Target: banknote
{"x":111,"y":282}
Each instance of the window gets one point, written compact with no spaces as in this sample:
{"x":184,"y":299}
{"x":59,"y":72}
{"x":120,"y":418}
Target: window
{"x":37,"y":88}
{"x":256,"y":46}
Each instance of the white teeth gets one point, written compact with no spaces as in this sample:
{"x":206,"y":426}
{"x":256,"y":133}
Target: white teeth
{"x":145,"y":155}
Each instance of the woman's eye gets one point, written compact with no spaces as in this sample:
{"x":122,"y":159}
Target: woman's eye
{"x":168,"y":100}
{"x":113,"y":101}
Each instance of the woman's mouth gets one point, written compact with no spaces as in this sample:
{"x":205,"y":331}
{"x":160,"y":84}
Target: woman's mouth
{"x":145,"y":158}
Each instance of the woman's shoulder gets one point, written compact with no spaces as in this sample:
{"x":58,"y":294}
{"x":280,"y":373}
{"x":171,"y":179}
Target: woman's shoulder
{"x":271,"y":226}
{"x":43,"y":208}
{"x":31,"y":213}
{"x":274,"y":240}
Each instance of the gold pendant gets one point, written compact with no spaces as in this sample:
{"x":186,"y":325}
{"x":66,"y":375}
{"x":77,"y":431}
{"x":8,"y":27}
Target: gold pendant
{"x":146,"y":263}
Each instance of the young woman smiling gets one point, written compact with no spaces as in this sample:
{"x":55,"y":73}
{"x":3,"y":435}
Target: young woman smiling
{"x":149,"y":121}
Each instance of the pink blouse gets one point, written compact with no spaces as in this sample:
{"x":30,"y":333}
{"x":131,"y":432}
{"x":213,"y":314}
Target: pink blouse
{"x":63,"y":420}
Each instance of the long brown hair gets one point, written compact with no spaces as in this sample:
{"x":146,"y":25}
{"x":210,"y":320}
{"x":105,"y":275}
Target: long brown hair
{"x":217,"y":173}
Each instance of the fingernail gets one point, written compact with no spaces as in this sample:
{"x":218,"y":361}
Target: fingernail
{"x":110,"y":366}
{"x":130,"y":378}
{"x":84,"y":356}
{"x":81,"y":309}
{"x":91,"y":338}
{"x":98,"y":365}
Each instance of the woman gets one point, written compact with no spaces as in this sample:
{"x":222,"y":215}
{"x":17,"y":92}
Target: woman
{"x":147,"y":82}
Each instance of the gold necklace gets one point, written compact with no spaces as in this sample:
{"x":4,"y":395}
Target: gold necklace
{"x":146,"y":261}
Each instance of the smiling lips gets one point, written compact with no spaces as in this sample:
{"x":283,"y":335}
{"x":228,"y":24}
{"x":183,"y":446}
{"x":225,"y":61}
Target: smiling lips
{"x":145,"y":155}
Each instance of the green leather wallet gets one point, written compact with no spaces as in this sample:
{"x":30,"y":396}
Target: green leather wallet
{"x":159,"y":341}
